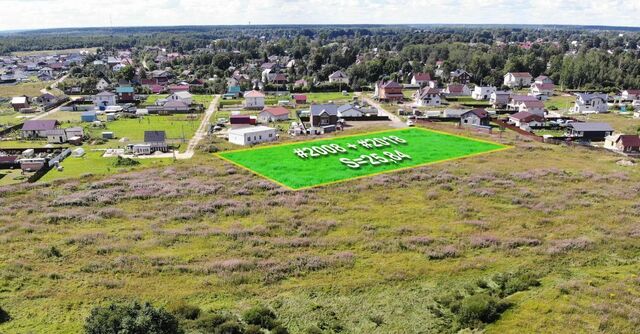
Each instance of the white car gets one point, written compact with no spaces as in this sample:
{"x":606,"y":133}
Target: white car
{"x":410,"y":123}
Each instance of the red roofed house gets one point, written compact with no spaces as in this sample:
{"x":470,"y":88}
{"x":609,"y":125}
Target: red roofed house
{"x":274,"y":114}
{"x":631,"y":94}
{"x":457,"y":90}
{"x":178,"y":88}
{"x":518,"y":79}
{"x":390,"y":91}
{"x":623,"y":143}
{"x":542,"y":89}
{"x":421,"y":79}
{"x":628,"y":143}
{"x":475,"y":117}
{"x":300,"y":98}
{"x":238,"y":121}
{"x":254,"y":100}
{"x":525,"y":119}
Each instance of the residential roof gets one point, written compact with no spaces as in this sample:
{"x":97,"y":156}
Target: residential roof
{"x":455,"y":88}
{"x":422,"y":76}
{"x":338,"y":75}
{"x":591,"y":127}
{"x":523,"y":98}
{"x":299,"y":97}
{"x":629,"y":140}
{"x":588,"y":97}
{"x":250,"y":129}
{"x":175,"y":104}
{"x":254,"y":93}
{"x":318,"y":109}
{"x":547,"y":86}
{"x":527,"y":117}
{"x":533,"y":104}
{"x":105,"y":93}
{"x":154,"y":136}
{"x":277,"y":111}
{"x":125,"y":89}
{"x":542,"y":77}
{"x":633,"y":91}
{"x":520,"y":74}
{"x":39,"y":125}
{"x":183,"y":94}
{"x":19,"y":100}
{"x":429,"y":91}
{"x":459,"y":72}
{"x":390,"y":84}
{"x":478,"y":112}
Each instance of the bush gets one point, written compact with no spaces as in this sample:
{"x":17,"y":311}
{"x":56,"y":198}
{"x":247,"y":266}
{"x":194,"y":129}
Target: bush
{"x":211,"y":322}
{"x":131,"y":318}
{"x":185,"y":311}
{"x":480,"y":308}
{"x":261,"y":316}
{"x":230,"y":327}
{"x":4,"y":316}
{"x":125,"y":162}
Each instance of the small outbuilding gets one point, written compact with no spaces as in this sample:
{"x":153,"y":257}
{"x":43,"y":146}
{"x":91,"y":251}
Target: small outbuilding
{"x":252,"y":135}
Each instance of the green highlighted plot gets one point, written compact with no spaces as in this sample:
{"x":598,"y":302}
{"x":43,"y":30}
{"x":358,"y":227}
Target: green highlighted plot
{"x":319,"y":162}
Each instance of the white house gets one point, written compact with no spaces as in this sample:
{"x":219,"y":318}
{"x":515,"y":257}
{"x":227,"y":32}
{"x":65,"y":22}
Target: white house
{"x":532,"y":107}
{"x":483,"y":92}
{"x":104,"y":99}
{"x":457,"y":90}
{"x":252,"y":135}
{"x":543,"y":79}
{"x":542,"y":89}
{"x":526,"y":120}
{"x":590,"y":104}
{"x":102,"y":84}
{"x":254,"y":100}
{"x":500,"y":99}
{"x":274,"y":114}
{"x":182,"y":96}
{"x":339,"y":77}
{"x":518,"y":79}
{"x":422,"y":79}
{"x":428,"y":97}
{"x":354,"y":110}
{"x":630,"y":94}
{"x":516,"y":100}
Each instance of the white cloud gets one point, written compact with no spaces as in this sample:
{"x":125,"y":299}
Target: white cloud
{"x":30,"y":14}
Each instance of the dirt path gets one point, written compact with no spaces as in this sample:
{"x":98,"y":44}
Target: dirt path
{"x":396,"y":122}
{"x":195,"y":140}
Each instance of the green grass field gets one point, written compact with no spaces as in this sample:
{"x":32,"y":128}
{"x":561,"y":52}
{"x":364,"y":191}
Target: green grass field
{"x":200,"y":99}
{"x":176,"y":126}
{"x":93,"y":163}
{"x":280,"y":164}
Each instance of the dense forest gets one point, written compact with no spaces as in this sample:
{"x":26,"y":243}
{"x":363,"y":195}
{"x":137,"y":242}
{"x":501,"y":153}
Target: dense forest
{"x":575,"y":58}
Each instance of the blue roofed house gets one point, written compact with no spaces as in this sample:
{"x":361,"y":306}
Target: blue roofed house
{"x":89,"y":116}
{"x":233,"y":92}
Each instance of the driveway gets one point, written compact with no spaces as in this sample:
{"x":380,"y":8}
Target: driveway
{"x":396,"y":122}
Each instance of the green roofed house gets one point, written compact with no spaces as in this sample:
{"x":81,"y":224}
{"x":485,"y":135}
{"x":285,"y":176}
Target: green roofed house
{"x":125,"y":94}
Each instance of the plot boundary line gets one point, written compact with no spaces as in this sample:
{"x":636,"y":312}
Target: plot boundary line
{"x":220,"y":155}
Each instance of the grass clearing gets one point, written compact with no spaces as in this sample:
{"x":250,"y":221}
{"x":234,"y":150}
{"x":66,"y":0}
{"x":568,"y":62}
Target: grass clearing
{"x":175,"y":126}
{"x":280,"y":164}
{"x":93,"y":163}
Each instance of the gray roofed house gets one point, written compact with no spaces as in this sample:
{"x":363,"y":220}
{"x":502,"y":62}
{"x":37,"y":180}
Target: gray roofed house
{"x":589,"y":130}
{"x":38,"y":128}
{"x":324,"y":115}
{"x":157,"y":140}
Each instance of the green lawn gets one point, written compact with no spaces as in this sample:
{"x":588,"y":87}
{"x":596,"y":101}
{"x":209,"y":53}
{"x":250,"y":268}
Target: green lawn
{"x":199,"y":99}
{"x":560,"y":103}
{"x":93,"y":163}
{"x":176,"y":127}
{"x":281,"y":164}
{"x":30,"y":89}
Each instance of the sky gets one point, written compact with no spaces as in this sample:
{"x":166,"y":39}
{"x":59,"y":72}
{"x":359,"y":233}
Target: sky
{"x":37,"y":14}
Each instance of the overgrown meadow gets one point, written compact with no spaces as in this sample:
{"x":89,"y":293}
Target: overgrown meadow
{"x":535,"y":239}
